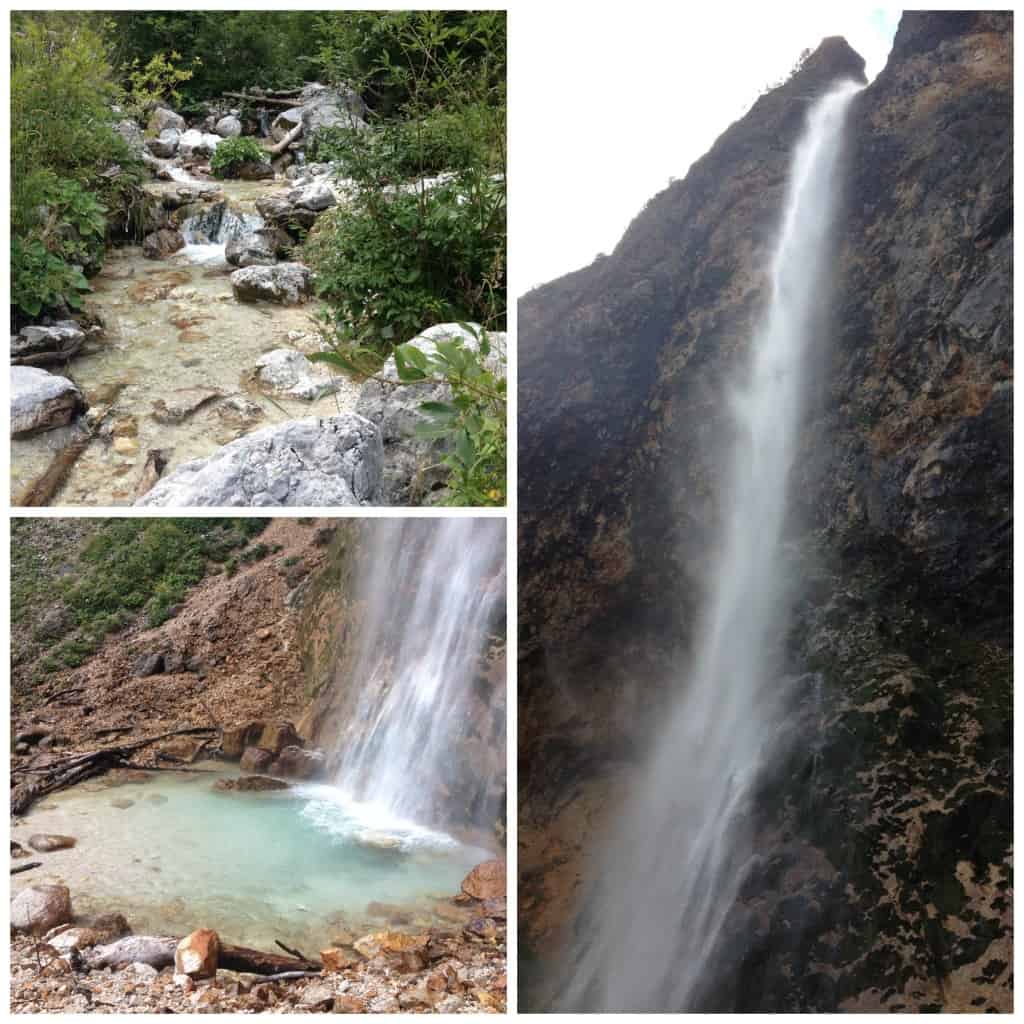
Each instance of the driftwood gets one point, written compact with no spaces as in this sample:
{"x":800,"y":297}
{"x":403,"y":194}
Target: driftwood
{"x":281,"y":146}
{"x":158,"y":952}
{"x":78,"y":767}
{"x":41,"y":491}
{"x":291,"y":952}
{"x":269,"y":100}
{"x":26,"y":867}
{"x":156,"y":463}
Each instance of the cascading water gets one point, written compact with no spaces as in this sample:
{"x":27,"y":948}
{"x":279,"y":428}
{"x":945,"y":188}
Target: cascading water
{"x":413,"y":750}
{"x":207,"y":233}
{"x":673,"y":869}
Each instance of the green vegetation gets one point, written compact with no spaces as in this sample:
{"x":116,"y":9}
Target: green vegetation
{"x":129,"y":568}
{"x":232,"y":153}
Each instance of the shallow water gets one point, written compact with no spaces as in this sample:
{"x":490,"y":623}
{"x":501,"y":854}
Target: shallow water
{"x":172,"y":324}
{"x":298,"y":865}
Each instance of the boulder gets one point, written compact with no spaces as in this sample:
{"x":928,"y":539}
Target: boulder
{"x":39,"y":908}
{"x":194,"y":145}
{"x":256,"y":759}
{"x":254,"y":170}
{"x":228,"y":127}
{"x":197,"y":954}
{"x":322,"y":106}
{"x":261,"y":247}
{"x":316,"y":197}
{"x":280,"y":212}
{"x":181,"y":403}
{"x":162,"y":243}
{"x":296,"y":763}
{"x":287,"y":283}
{"x":41,"y":401}
{"x":236,"y":738}
{"x":38,"y":345}
{"x":335,"y":461}
{"x":48,"y":843}
{"x":161,"y":119}
{"x":290,"y":374}
{"x":165,"y":145}
{"x":278,"y":735}
{"x":148,"y":665}
{"x":486,"y":881}
{"x":250,"y":784}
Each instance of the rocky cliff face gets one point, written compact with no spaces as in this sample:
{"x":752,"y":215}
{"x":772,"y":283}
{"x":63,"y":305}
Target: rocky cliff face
{"x":886,"y":836}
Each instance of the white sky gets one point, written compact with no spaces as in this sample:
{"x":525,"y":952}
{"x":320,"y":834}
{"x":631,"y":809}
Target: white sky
{"x":609,"y":101}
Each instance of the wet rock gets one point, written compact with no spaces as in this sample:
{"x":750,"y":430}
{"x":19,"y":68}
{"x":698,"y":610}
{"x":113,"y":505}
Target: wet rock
{"x":260,"y":248}
{"x":42,"y":843}
{"x":197,"y":954}
{"x":316,"y":197}
{"x":287,"y":283}
{"x":181,"y":403}
{"x":290,"y":374}
{"x":161,"y":119}
{"x":278,"y":735}
{"x":278,"y":211}
{"x":251,"y":784}
{"x":39,"y":908}
{"x":486,"y":881}
{"x":41,"y":401}
{"x":195,"y":144}
{"x":335,"y":959}
{"x":40,"y":345}
{"x":228,"y":127}
{"x":237,"y":737}
{"x":165,"y":145}
{"x":162,"y":243}
{"x":256,"y":759}
{"x":296,"y":763}
{"x":333,"y":461}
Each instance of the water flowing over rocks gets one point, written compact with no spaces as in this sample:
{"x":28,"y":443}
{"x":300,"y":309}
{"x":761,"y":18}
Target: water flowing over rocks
{"x":41,"y":401}
{"x":335,"y":461}
{"x":882,"y":878}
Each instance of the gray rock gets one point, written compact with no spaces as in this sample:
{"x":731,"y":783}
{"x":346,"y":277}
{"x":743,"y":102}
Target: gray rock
{"x":41,"y":401}
{"x":287,"y":283}
{"x":334,"y":461}
{"x":162,"y":243}
{"x":228,"y":127}
{"x":181,"y":403}
{"x":315,"y":197}
{"x":165,"y":145}
{"x":195,"y":144}
{"x":132,"y":134}
{"x":39,"y":908}
{"x":38,"y":345}
{"x":162,"y":118}
{"x":290,"y":374}
{"x":259,"y":248}
{"x":158,"y":952}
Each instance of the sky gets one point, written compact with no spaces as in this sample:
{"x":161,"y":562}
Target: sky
{"x":608,"y":102}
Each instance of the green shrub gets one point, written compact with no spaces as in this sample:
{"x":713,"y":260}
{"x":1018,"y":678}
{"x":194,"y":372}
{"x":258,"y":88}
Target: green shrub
{"x":231,"y":153}
{"x":40,"y":280}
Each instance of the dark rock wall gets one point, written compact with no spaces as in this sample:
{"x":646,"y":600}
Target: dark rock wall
{"x":886,"y":839}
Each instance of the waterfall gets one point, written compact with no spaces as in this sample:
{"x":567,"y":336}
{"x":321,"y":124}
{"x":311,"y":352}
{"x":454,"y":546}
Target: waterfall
{"x":218,"y":224}
{"x":431,"y":596}
{"x":672,"y":871}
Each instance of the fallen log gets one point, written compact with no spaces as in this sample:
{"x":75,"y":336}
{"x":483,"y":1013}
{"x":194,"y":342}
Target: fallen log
{"x":26,"y":867}
{"x":253,"y":961}
{"x":269,"y":100}
{"x":281,"y":146}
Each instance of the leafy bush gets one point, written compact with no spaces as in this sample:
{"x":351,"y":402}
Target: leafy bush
{"x":233,"y":152}
{"x":40,"y":280}
{"x":388,"y":264}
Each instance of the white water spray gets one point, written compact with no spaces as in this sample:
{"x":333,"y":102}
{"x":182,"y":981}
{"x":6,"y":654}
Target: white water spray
{"x":433,"y":592}
{"x":675,"y":866}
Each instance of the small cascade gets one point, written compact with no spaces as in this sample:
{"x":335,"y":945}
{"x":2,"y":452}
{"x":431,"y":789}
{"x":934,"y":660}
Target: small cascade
{"x":207,"y":233}
{"x":656,"y":919}
{"x":423,"y":734}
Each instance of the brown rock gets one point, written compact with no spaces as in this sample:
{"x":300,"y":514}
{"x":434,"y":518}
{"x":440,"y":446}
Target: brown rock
{"x":197,"y":954}
{"x":49,"y":843}
{"x":494,"y":908}
{"x":349,"y":1004}
{"x":298,"y":763}
{"x":237,"y":737}
{"x":256,"y":759}
{"x":39,"y":908}
{"x":482,"y":928}
{"x":250,"y":784}
{"x":162,"y":243}
{"x":278,"y":735}
{"x":335,"y":959}
{"x":486,"y":881}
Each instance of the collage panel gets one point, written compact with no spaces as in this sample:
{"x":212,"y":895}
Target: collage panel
{"x":765,"y":518}
{"x":258,"y":765}
{"x":258,"y":258}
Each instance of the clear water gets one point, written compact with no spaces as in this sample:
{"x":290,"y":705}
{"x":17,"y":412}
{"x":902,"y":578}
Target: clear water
{"x":170,"y":324}
{"x":431,"y":592}
{"x":671,"y":873}
{"x":298,"y":865}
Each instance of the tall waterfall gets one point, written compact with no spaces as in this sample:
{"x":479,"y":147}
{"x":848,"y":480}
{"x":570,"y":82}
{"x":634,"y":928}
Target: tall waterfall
{"x":674,"y":867}
{"x":432,"y":595}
